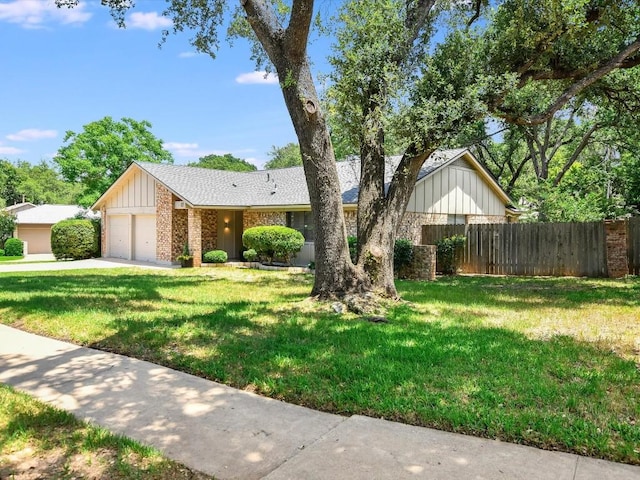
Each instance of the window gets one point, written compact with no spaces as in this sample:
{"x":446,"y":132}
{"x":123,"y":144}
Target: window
{"x":456,"y":219}
{"x":302,"y":222}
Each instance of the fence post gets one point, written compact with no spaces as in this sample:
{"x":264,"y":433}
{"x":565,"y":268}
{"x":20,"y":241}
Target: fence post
{"x":616,"y":243}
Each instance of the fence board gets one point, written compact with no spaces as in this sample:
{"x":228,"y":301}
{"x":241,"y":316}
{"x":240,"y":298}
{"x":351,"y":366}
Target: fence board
{"x":633,"y":244}
{"x":556,"y":249}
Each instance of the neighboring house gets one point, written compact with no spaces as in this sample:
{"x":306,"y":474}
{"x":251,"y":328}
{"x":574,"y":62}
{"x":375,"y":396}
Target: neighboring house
{"x":33,"y":223}
{"x":153,"y":210}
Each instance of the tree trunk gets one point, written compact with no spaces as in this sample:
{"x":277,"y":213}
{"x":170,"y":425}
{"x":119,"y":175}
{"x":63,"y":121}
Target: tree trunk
{"x":336,"y":276}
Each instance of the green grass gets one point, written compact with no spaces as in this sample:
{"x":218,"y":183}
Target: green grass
{"x":10,"y":259}
{"x":551,"y":363}
{"x":39,"y":441}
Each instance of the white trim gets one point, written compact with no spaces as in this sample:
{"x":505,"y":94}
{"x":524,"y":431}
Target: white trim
{"x":131,"y":211}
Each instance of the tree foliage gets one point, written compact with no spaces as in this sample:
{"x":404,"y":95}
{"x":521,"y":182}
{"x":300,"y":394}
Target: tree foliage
{"x":97,"y":156}
{"x":7,"y":226}
{"x":224,"y":162}
{"x":38,"y":184}
{"x":282,"y":157}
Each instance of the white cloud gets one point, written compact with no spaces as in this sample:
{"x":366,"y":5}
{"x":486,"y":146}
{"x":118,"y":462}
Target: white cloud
{"x":257,"y":78}
{"x":148,"y":21}
{"x":9,"y":150}
{"x":35,"y":13}
{"x":188,"y":54}
{"x":30,"y":134}
{"x":188,"y":150}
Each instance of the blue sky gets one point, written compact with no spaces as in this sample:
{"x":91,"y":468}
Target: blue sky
{"x":62,"y":69}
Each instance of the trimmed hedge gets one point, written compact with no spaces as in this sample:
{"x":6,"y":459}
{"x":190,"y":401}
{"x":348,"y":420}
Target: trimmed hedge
{"x":250,"y":255}
{"x":13,"y":247}
{"x":215,"y":256}
{"x":74,"y":240}
{"x":447,"y":253}
{"x":273,"y":242}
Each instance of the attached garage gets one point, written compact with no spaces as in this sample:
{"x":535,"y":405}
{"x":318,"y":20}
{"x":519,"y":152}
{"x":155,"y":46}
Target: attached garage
{"x":132,"y":237}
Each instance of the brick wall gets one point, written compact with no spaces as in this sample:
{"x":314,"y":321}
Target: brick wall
{"x":616,"y":243}
{"x":259,"y":219}
{"x":103,"y":231}
{"x":209,"y":230}
{"x":179,"y":226}
{"x":412,"y":222}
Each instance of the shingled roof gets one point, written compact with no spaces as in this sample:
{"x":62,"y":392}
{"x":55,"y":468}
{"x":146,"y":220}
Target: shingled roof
{"x":202,"y":187}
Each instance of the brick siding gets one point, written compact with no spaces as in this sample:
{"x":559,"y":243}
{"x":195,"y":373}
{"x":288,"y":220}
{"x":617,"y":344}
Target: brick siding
{"x":616,"y":241}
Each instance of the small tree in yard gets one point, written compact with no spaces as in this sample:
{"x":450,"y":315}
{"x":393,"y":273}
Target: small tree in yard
{"x":7,"y":226}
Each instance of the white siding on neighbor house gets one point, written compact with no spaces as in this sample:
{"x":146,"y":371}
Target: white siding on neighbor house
{"x":455,"y":189}
{"x":136,"y":194}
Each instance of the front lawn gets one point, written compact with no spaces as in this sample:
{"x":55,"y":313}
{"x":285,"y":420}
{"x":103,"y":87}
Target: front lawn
{"x":551,"y":363}
{"x":39,"y":441}
{"x":4,"y":258}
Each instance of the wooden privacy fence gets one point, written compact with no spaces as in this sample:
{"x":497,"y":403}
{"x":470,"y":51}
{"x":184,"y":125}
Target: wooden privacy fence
{"x":555,"y":249}
{"x":633,"y":245}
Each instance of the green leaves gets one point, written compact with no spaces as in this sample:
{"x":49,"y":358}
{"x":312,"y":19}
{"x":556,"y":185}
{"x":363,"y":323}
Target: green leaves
{"x":224,"y":162}
{"x":99,"y":154}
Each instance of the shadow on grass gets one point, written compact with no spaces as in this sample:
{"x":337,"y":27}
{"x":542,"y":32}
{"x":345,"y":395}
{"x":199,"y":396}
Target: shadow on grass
{"x":559,"y":394}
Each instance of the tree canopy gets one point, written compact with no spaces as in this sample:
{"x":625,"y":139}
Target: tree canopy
{"x":224,"y":162}
{"x":97,"y":156}
{"x":38,"y":184}
{"x":282,"y":157}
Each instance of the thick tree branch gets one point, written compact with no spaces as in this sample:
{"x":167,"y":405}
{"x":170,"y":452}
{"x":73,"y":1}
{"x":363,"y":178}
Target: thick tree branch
{"x":297,"y":33}
{"x":266,"y":26}
{"x":577,"y":87}
{"x":576,"y":153}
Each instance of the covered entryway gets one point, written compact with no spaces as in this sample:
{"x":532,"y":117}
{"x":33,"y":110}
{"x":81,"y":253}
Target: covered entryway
{"x":37,"y":237}
{"x":118,"y":236}
{"x":230,"y":233}
{"x":144,"y":238}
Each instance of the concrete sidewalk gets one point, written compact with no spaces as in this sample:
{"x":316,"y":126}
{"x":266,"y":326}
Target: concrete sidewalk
{"x":47,"y":263}
{"x":233,"y":434}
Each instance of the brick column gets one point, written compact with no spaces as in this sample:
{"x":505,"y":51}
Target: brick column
{"x":423,"y":264}
{"x":616,"y":240}
{"x":103,"y":231}
{"x":194,"y":225}
{"x":164,"y":224}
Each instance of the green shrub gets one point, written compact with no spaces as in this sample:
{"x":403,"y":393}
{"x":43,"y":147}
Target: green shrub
{"x":273,"y":242}
{"x":74,"y":239}
{"x":215,"y":256}
{"x":1,"y":253}
{"x":250,"y":255}
{"x":353,"y":248}
{"x":7,"y":226}
{"x":448,"y":253}
{"x":402,"y":253}
{"x":13,"y":247}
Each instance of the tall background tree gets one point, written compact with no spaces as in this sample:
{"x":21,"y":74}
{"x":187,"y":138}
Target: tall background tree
{"x":97,"y":156}
{"x":391,"y":82}
{"x":282,"y":157}
{"x":41,"y":183}
{"x":224,"y":162}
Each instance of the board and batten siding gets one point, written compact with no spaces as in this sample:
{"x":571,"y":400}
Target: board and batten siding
{"x":455,"y":190}
{"x":136,"y":194}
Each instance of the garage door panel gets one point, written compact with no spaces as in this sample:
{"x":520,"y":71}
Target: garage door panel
{"x":144,"y":238}
{"x":118,"y":236}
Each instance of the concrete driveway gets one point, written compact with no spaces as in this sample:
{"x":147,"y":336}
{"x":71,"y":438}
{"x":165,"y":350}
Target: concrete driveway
{"x":46,"y":263}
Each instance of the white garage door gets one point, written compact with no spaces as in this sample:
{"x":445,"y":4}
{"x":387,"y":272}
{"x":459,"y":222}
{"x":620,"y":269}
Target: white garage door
{"x":144,"y":238}
{"x":118,"y":236}
{"x":38,"y":238}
